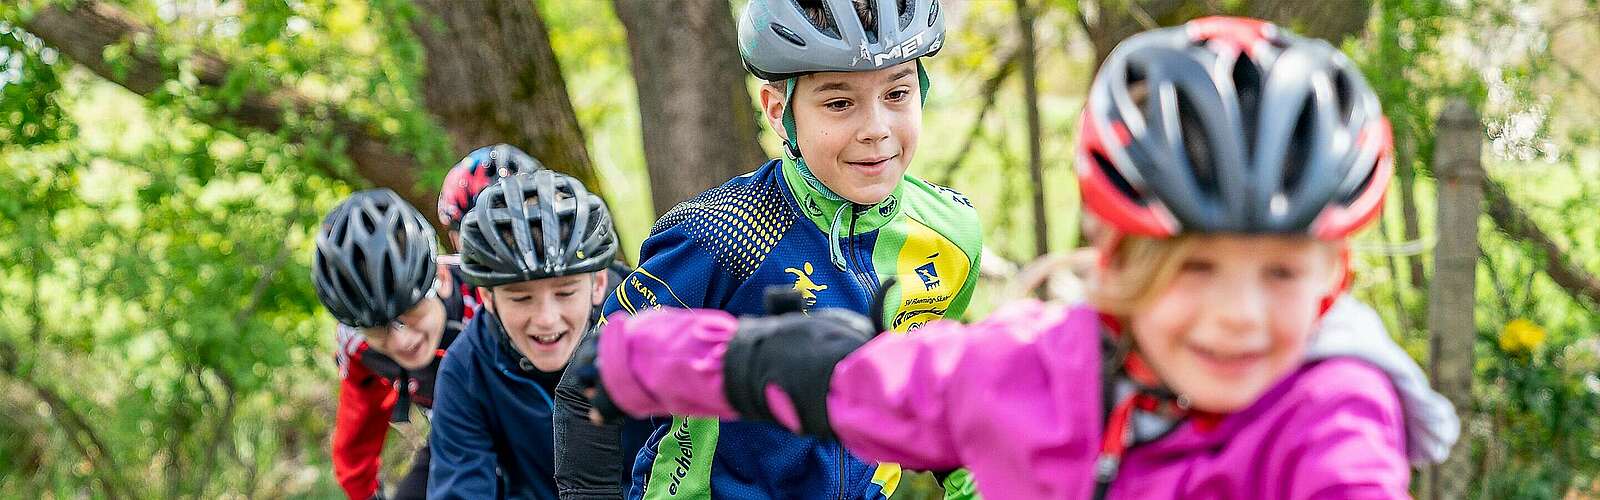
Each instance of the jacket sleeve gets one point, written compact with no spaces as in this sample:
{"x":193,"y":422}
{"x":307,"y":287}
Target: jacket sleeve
{"x":589,"y":458}
{"x":463,"y":451}
{"x":1349,"y":438}
{"x":1027,"y":376}
{"x":359,"y":430}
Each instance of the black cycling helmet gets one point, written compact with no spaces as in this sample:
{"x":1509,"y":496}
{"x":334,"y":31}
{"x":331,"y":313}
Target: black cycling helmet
{"x":374,"y":259}
{"x":533,"y":226}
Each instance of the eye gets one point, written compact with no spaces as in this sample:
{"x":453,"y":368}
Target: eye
{"x":522,"y":299}
{"x":898,"y":95}
{"x":1282,"y":272}
{"x":397,"y":325}
{"x":837,"y":105}
{"x":566,"y":293}
{"x":1197,"y":266}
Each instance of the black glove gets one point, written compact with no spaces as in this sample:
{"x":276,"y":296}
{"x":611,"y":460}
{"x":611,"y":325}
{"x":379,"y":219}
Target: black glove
{"x":584,"y":364}
{"x":796,"y":353}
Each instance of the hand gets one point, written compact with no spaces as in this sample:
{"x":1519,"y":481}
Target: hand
{"x":796,"y":353}
{"x":585,"y":364}
{"x":444,"y":287}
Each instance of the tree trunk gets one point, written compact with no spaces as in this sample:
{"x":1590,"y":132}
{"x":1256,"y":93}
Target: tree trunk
{"x":695,"y":111}
{"x":1406,"y":173}
{"x":1110,"y":21}
{"x":1452,"y":300}
{"x":492,"y":77}
{"x":1030,"y":96}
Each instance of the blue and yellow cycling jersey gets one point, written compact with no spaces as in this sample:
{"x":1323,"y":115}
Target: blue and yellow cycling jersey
{"x":724,"y":248}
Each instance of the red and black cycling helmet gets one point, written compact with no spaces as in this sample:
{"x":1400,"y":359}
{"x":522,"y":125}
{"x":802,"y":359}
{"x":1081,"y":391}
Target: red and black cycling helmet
{"x":1232,"y":125}
{"x":478,"y":170}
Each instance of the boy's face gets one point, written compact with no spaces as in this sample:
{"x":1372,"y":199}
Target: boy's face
{"x":545,"y":318}
{"x":411,"y":339}
{"x":858,"y":130}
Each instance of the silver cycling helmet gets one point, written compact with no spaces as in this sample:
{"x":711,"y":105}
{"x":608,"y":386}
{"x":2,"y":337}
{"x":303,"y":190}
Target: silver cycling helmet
{"x":778,"y":41}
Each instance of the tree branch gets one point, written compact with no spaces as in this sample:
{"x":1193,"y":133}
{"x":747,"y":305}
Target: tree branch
{"x":85,"y":30}
{"x":991,"y":89}
{"x":1514,"y":221}
{"x":103,"y":464}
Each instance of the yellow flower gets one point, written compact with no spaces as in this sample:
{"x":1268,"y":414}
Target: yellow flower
{"x":1521,"y":335}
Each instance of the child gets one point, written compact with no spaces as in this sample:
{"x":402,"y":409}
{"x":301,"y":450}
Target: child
{"x":1230,"y":161}
{"x":538,"y":245}
{"x":839,"y":213}
{"x":374,"y":271}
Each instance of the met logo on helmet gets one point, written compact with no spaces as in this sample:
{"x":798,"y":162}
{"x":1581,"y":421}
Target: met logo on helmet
{"x":908,"y":48}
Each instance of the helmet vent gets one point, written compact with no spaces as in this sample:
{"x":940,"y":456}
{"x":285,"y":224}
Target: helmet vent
{"x":1344,"y":89}
{"x":786,"y":34}
{"x":906,"y":14}
{"x":1366,"y":181}
{"x":1247,"y":85}
{"x":1300,"y":144}
{"x":1196,"y":146}
{"x":1111,"y":172}
{"x":933,"y":13}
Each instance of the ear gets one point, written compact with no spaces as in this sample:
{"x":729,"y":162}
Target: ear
{"x":487,"y":292}
{"x":772,"y":104}
{"x":602,"y":282}
{"x":1339,"y":262}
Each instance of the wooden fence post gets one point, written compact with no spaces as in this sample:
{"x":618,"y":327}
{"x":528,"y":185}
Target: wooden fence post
{"x":1452,"y":332}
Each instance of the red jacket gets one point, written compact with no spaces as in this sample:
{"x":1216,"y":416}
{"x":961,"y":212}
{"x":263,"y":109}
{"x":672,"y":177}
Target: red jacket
{"x":367,"y":399}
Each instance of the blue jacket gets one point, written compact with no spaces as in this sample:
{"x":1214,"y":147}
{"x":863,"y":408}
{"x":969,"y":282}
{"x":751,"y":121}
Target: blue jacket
{"x":725,"y":247}
{"x":491,"y":422}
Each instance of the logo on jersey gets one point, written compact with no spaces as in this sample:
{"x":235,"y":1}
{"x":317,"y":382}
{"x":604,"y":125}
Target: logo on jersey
{"x":802,"y":283}
{"x":954,"y":195}
{"x":812,"y":208}
{"x":929,"y":274}
{"x":886,"y":208}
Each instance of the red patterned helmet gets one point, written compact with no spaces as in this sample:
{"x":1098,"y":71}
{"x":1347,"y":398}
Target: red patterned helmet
{"x":1232,"y":125}
{"x":478,"y":170}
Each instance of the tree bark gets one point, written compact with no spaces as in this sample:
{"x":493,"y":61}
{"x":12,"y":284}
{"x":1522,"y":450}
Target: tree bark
{"x":1406,"y":174}
{"x":492,"y":77}
{"x":1452,"y":299}
{"x":1108,"y":22}
{"x":694,"y":107}
{"x":1030,"y":96}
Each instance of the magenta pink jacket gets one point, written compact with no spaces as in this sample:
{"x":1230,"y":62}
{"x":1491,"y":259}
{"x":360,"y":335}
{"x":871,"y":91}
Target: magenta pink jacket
{"x":1016,"y":399}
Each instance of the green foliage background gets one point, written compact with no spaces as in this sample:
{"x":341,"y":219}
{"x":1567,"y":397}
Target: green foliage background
{"x":159,"y":336}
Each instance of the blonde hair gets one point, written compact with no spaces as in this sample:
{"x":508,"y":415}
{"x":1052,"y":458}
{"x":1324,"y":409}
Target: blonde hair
{"x":1145,"y":266}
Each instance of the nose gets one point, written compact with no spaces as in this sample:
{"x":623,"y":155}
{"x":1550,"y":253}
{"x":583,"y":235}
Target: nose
{"x":875,"y":127}
{"x":1238,"y":306}
{"x":548,"y":316}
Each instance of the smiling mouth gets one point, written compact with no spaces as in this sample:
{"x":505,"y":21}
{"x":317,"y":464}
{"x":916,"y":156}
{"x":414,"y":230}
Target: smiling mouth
{"x":547,"y":339}
{"x":872,"y":163}
{"x":1228,"y":361}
